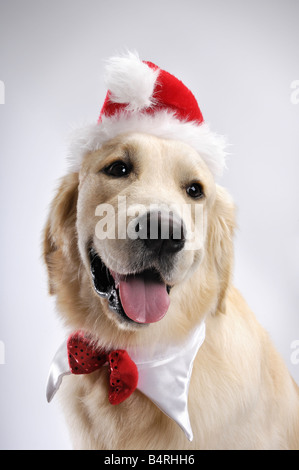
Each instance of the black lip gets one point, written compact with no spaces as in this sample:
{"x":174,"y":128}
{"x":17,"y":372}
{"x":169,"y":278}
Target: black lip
{"x":101,"y":276}
{"x":104,"y":284}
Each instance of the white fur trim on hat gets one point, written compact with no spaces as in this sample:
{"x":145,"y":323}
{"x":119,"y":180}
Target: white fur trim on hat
{"x":163,"y":124}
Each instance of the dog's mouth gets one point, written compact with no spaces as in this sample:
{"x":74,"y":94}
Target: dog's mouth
{"x":141,"y":298}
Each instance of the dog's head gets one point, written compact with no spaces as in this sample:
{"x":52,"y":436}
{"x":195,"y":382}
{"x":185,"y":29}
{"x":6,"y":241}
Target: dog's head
{"x":139,"y":242}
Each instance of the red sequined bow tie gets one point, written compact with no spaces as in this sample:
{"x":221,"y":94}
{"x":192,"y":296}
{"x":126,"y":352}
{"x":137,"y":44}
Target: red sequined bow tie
{"x":84,"y":358}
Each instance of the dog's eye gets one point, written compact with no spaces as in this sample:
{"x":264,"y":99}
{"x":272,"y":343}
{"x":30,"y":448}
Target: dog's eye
{"x":195,"y":190}
{"x":117,"y":169}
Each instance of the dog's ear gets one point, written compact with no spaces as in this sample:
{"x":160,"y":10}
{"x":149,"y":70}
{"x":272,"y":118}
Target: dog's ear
{"x":220,"y":242}
{"x":60,"y":231}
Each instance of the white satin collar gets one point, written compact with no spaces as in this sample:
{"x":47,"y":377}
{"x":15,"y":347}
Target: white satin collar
{"x":164,"y":377}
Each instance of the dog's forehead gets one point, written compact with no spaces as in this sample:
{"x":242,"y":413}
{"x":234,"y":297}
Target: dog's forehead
{"x":146,"y":144}
{"x":168,"y":157}
{"x":148,"y":150}
{"x":152,"y":157}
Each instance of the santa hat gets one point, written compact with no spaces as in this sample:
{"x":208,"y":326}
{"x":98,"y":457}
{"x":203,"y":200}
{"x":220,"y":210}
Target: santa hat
{"x":143,"y":98}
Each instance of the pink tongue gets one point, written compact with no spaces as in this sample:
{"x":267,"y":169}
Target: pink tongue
{"x":143,"y":299}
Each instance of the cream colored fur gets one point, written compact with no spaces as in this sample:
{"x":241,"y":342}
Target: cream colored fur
{"x":241,"y":394}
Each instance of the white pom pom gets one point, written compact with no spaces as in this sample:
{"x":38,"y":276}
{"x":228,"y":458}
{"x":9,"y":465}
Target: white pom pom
{"x":131,"y":81}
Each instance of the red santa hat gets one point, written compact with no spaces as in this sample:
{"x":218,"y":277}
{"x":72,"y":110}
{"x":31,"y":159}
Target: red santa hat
{"x":143,"y":98}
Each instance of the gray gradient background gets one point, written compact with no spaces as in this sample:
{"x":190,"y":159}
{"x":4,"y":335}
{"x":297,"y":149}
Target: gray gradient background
{"x":239,"y":59}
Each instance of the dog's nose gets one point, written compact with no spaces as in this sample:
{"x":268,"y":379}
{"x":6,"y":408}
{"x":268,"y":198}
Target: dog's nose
{"x":162,"y":232}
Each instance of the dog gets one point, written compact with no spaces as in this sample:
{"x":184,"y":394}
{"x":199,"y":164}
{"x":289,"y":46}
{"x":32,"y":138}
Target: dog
{"x":130,"y":291}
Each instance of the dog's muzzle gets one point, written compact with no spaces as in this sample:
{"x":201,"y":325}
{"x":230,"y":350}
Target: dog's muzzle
{"x":142,"y":295}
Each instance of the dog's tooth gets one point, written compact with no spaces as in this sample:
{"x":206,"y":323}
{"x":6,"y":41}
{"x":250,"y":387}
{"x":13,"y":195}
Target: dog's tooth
{"x":116,"y":278}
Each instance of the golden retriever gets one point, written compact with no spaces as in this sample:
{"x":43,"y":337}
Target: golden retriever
{"x":241,"y":395}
